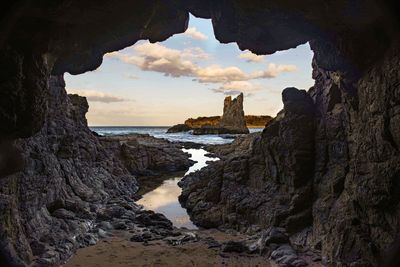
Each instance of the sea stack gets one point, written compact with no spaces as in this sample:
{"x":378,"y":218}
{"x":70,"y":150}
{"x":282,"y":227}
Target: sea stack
{"x":232,"y":121}
{"x":233,"y":118}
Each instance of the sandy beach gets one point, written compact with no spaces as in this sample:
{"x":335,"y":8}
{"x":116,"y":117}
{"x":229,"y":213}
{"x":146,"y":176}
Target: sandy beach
{"x":118,"y":251}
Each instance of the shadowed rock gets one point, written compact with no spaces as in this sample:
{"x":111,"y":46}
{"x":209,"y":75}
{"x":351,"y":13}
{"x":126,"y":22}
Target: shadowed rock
{"x":71,"y":180}
{"x":11,"y":159}
{"x":350,"y":198}
{"x":267,"y":181}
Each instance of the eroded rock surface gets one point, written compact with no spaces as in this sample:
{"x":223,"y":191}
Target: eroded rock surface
{"x":355,"y":178}
{"x":233,"y":116}
{"x":244,"y":188}
{"x":74,"y":186}
{"x":326,"y":169}
{"x":144,"y":155}
{"x":233,"y":121}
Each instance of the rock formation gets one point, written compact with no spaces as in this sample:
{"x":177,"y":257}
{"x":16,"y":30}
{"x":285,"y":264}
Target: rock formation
{"x":232,"y":121}
{"x":243,"y":188}
{"x":179,"y":128}
{"x":355,"y":178}
{"x":144,"y":155}
{"x":202,"y":121}
{"x":233,"y":116}
{"x":331,"y":187}
{"x":252,"y":121}
{"x":71,"y":181}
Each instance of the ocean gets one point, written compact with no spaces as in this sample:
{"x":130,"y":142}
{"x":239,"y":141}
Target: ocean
{"x":161,"y":132}
{"x":164,"y":198}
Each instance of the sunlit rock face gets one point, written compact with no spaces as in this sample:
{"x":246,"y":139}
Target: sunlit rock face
{"x":354,"y":181}
{"x":232,"y":120}
{"x":233,"y":116}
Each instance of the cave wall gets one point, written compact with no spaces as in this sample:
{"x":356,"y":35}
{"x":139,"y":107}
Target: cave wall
{"x":72,"y":182}
{"x":356,"y":214}
{"x":354,"y":182}
{"x":66,"y":181}
{"x":72,"y":36}
{"x":326,"y":169}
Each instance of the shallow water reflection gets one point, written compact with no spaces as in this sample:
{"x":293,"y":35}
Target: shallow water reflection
{"x":164,"y":199}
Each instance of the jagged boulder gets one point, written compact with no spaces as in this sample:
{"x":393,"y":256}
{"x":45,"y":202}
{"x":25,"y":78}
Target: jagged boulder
{"x":262,"y":179}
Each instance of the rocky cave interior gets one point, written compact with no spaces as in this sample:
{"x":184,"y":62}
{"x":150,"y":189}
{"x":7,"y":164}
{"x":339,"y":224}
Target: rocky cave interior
{"x":330,"y":160}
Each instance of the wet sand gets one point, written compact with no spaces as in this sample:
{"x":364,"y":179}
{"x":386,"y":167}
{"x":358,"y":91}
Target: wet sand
{"x":118,"y":251}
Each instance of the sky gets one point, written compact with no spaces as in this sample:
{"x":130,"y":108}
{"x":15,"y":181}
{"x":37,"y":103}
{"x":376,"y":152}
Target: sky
{"x":187,"y":76}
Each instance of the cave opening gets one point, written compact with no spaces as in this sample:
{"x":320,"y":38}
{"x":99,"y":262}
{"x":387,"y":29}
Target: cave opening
{"x":148,"y":87}
{"x":187,"y":76}
{"x":326,"y":170}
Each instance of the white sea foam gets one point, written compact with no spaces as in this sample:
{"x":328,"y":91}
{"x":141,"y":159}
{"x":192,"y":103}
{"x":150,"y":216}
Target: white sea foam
{"x":161,"y":132}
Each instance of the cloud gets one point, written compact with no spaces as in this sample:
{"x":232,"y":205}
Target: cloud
{"x":158,"y":58}
{"x":251,"y":57}
{"x":96,"y":96}
{"x":222,"y":91}
{"x":195,"y":53}
{"x":193,"y":33}
{"x":273,"y":70}
{"x":237,"y":87}
{"x":217,"y":74}
{"x":182,"y":63}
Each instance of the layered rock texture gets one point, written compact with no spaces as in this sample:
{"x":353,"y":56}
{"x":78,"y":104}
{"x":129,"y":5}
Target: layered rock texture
{"x":73,"y":182}
{"x":233,"y":120}
{"x":144,"y":155}
{"x":341,"y":186}
{"x":244,"y":187}
{"x":323,"y":169}
{"x":233,"y":116}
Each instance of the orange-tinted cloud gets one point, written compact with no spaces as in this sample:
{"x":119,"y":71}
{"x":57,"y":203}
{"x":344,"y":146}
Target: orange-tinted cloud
{"x":251,"y":57}
{"x":182,"y":63}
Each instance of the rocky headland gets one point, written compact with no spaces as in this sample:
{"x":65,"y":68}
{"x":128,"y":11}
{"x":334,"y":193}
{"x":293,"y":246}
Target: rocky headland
{"x":252,"y":121}
{"x":233,"y":121}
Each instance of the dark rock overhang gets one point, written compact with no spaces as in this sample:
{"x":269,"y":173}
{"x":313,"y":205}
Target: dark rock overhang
{"x":54,"y":37}
{"x":78,"y":33}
